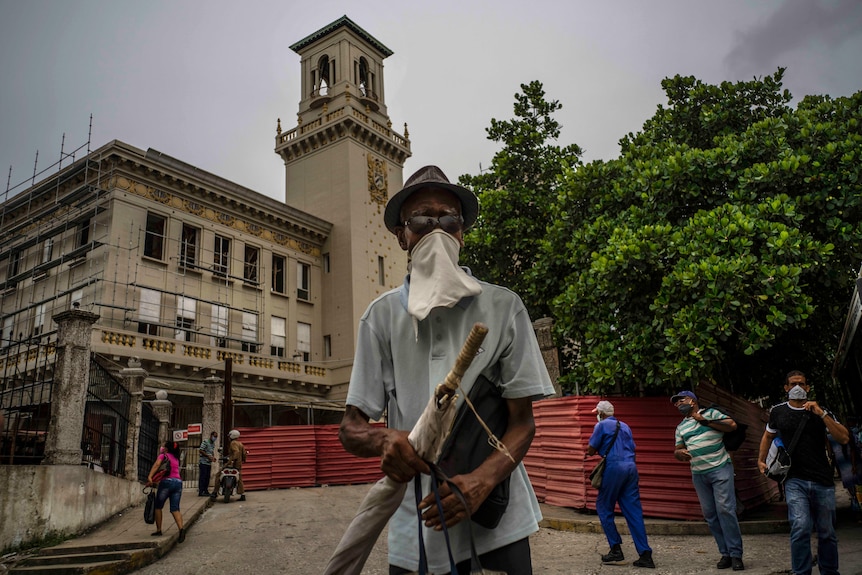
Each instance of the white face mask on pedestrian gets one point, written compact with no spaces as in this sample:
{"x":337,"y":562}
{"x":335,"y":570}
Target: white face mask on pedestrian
{"x":436,"y":279}
{"x":797,"y":393}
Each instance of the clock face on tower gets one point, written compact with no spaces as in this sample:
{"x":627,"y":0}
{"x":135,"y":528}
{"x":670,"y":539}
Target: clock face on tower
{"x":377,"y":180}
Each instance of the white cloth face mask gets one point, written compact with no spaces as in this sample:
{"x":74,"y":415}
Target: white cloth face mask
{"x":436,"y":279}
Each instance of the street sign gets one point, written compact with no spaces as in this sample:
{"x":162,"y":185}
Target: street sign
{"x":195,"y":428}
{"x":181,"y":435}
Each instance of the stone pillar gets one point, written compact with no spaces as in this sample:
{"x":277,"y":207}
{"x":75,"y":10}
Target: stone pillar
{"x":69,"y":394}
{"x":134,"y":377}
{"x":212,"y":416}
{"x":163,"y":407}
{"x":544,"y":334}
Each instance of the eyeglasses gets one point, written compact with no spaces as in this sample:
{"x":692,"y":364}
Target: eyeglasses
{"x":424,"y":224}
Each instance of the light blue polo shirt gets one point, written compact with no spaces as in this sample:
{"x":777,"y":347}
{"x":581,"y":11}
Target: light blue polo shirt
{"x":394,"y":369}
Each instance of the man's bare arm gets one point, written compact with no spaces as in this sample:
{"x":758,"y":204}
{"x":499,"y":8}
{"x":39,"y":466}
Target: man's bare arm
{"x":398,"y":459}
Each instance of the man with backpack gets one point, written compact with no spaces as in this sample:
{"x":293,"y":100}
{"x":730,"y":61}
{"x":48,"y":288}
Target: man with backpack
{"x":699,"y":441}
{"x":809,"y":487}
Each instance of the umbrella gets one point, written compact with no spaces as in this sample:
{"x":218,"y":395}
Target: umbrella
{"x":426,"y":437}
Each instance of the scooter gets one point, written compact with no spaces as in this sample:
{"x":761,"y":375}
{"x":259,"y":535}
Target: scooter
{"x":229,"y":479}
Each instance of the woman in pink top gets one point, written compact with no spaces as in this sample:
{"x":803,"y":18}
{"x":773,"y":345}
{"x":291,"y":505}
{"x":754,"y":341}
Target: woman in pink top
{"x":171,"y":486}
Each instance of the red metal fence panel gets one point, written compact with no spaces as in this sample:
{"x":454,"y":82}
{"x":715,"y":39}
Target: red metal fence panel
{"x":308,"y":455}
{"x":559,"y":469}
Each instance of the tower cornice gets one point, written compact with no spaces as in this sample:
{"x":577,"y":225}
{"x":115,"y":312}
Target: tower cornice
{"x":346,"y":121}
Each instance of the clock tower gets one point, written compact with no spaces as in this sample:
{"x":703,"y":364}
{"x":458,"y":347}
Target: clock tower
{"x":342,"y":162}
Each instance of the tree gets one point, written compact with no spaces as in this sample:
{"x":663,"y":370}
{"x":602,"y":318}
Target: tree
{"x":721,"y":243}
{"x":516,"y":194}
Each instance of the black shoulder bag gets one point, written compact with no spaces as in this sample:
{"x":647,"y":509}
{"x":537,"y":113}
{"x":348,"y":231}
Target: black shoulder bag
{"x":466,"y":446}
{"x":599,"y":470}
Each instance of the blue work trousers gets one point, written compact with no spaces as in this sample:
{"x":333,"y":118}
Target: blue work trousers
{"x":620,"y":485}
{"x":717,"y":495}
{"x":811,"y":505}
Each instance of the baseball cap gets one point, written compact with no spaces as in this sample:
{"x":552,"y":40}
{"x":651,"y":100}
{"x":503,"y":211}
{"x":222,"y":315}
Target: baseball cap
{"x":604,"y":406}
{"x":682,"y":394}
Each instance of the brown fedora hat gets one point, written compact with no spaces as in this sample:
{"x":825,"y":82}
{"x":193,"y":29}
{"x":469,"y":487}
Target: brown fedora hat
{"x":430,"y":177}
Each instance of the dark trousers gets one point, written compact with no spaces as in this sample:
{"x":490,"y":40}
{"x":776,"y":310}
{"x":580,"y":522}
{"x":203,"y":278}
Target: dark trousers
{"x":513,"y":559}
{"x":204,"y":478}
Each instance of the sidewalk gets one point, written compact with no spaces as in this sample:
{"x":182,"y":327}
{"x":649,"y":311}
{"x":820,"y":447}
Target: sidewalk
{"x":120,"y":545}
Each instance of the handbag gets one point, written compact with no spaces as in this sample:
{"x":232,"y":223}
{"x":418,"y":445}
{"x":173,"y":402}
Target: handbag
{"x":466,"y":446}
{"x":150,"y":506}
{"x":599,"y":470}
{"x":162,"y":471}
{"x":778,"y":458}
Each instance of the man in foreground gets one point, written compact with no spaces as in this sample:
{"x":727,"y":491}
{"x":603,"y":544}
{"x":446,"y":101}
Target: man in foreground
{"x":408,"y":339}
{"x":699,"y":441}
{"x":810,"y":487}
{"x":613,"y":440}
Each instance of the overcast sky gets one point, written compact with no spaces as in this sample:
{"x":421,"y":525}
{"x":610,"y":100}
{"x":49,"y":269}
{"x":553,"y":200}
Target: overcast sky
{"x":205,"y":80}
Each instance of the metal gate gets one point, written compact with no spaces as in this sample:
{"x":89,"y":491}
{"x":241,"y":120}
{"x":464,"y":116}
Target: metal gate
{"x":148,"y":441}
{"x":183,"y":414}
{"x":106,"y":422}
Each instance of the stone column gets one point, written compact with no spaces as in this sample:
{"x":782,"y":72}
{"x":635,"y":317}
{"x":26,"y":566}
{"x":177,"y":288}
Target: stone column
{"x":69,"y":394}
{"x":134,"y":377}
{"x":212,"y":416}
{"x":163,"y":407}
{"x":544,"y":334}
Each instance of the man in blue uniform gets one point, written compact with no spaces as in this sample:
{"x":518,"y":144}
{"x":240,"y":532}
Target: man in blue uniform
{"x":613,"y":439}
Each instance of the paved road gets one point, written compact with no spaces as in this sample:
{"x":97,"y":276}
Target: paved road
{"x":293,"y":531}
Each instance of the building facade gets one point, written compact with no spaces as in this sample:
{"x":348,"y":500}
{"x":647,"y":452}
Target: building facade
{"x":195,"y":276}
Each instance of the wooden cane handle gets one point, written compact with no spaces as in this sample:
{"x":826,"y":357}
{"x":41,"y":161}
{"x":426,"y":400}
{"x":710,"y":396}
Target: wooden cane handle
{"x":465,"y":357}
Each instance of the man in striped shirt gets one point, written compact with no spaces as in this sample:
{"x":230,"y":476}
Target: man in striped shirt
{"x":699,"y":441}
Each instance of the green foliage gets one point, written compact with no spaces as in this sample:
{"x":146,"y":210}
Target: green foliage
{"x":721,"y":243}
{"x":516,"y":195}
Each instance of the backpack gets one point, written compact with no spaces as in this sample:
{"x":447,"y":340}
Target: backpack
{"x":732,"y":440}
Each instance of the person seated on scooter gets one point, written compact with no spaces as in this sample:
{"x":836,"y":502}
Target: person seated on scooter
{"x":235,"y":458}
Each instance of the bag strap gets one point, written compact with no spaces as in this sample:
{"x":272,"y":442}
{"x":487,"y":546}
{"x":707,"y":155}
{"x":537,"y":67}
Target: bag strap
{"x":438,"y":477}
{"x":798,"y":432}
{"x":611,"y":444}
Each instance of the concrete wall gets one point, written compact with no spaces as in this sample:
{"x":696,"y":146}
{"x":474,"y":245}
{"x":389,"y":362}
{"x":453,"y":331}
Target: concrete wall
{"x":38,"y":501}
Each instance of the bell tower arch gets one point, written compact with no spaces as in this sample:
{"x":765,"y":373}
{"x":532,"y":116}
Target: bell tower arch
{"x":342,"y":162}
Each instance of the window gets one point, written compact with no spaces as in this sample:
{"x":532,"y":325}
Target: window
{"x":47,"y":251}
{"x":39,"y":319}
{"x":149,"y":312}
{"x":8,"y":331}
{"x":303,"y":340}
{"x":326,"y":268}
{"x":189,"y":246}
{"x":14,"y":264}
{"x":277,"y":344}
{"x":185,"y":319}
{"x":278,"y":269}
{"x":84,"y":233}
{"x":154,"y":239}
{"x":327,"y":346}
{"x":249,"y":270}
{"x":381,"y":271}
{"x":219,"y":326}
{"x":324,"y":76}
{"x":303,"y":271}
{"x":221,"y":256}
{"x":249,"y":332}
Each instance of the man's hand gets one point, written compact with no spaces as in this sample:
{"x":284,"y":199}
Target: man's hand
{"x":761,"y":465}
{"x":475,"y":491}
{"x":399,"y":461}
{"x":682,"y":454}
